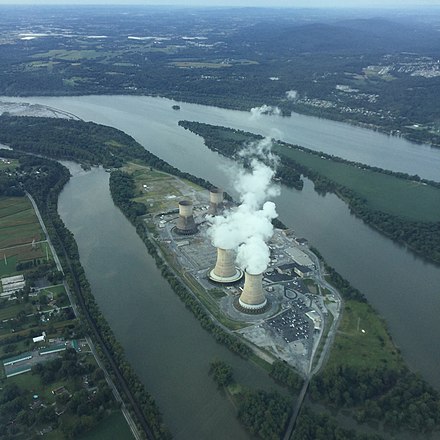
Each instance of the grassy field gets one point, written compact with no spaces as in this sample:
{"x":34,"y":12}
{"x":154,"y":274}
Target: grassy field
{"x":71,"y":55}
{"x":19,"y":227}
{"x":399,"y":197}
{"x":199,"y":65}
{"x":362,"y":340}
{"x":18,"y":222}
{"x":8,"y":164}
{"x":163,"y":191}
{"x":10,"y":311}
{"x":33,"y":383}
{"x":112,"y":427}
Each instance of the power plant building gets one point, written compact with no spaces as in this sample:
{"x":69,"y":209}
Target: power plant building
{"x":216,"y":198}
{"x":300,"y":257}
{"x":225,"y":271}
{"x":185,"y":224}
{"x":253,"y":298}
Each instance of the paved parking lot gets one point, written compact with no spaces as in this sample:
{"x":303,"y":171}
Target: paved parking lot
{"x":292,"y":325}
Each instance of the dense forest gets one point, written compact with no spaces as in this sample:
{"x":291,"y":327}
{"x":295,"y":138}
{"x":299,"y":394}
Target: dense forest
{"x":313,"y":426}
{"x":398,"y":398}
{"x":264,"y":414}
{"x":84,"y":142}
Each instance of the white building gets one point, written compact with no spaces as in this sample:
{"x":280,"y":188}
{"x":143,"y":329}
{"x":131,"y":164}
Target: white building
{"x":40,"y":338}
{"x":300,"y":257}
{"x":10,"y":285}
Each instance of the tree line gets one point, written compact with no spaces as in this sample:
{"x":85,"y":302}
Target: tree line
{"x":263,"y":413}
{"x":229,"y":142}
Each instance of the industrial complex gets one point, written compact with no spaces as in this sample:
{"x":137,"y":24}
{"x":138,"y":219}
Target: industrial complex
{"x":284,"y":310}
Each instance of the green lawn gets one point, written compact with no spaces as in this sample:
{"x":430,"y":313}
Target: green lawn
{"x":161,"y":188}
{"x":399,"y":197}
{"x":7,"y":312}
{"x":11,"y":165}
{"x":366,"y":346}
{"x":32,"y":382}
{"x":112,"y":427}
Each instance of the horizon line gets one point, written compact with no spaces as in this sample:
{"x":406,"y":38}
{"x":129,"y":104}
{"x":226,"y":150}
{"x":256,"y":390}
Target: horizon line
{"x":219,"y":6}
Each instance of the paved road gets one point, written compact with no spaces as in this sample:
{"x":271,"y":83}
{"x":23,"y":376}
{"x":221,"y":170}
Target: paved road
{"x":43,"y":226}
{"x":325,"y":351}
{"x":296,"y":410}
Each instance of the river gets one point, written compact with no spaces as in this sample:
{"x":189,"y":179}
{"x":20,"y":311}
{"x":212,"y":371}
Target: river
{"x":162,"y":340}
{"x":402,"y":287}
{"x":152,"y":122}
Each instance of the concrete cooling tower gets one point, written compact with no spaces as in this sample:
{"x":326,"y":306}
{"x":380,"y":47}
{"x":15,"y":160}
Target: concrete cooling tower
{"x":185,"y":223}
{"x":215,"y":201}
{"x":252,"y":298}
{"x":225,"y":271}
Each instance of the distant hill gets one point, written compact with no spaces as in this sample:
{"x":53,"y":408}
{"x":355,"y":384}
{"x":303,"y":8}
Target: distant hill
{"x":348,"y":37}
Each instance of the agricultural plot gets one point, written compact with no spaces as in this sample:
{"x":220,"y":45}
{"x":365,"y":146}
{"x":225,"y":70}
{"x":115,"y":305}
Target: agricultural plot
{"x":70,"y":55}
{"x":21,"y":237}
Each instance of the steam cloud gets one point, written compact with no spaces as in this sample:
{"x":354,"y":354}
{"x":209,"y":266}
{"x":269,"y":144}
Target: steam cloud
{"x":292,"y":94}
{"x":256,"y":112}
{"x":248,"y":227}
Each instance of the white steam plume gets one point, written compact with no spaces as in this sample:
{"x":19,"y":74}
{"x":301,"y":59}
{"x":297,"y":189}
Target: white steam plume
{"x":292,"y":95}
{"x":256,"y":112}
{"x":248,"y":227}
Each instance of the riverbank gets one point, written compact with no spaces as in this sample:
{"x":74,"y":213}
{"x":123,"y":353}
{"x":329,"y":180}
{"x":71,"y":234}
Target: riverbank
{"x":335,"y":138}
{"x":404,"y":208}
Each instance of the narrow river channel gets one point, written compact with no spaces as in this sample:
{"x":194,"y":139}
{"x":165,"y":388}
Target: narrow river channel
{"x":162,"y":340}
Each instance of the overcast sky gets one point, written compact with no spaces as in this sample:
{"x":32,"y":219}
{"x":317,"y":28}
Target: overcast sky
{"x":267,"y":3}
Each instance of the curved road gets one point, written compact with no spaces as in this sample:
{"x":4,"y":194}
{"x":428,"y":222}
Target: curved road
{"x":325,"y":351}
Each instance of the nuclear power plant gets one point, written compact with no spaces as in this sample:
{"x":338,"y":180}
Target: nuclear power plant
{"x":248,"y":275}
{"x":252,"y":299}
{"x":225,"y":271}
{"x":185,"y":224}
{"x":216,"y":201}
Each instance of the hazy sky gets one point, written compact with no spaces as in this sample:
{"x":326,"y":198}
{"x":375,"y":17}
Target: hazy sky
{"x":267,"y":3}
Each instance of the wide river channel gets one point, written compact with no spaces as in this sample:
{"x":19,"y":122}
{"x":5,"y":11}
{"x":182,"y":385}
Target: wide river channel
{"x":161,"y":338}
